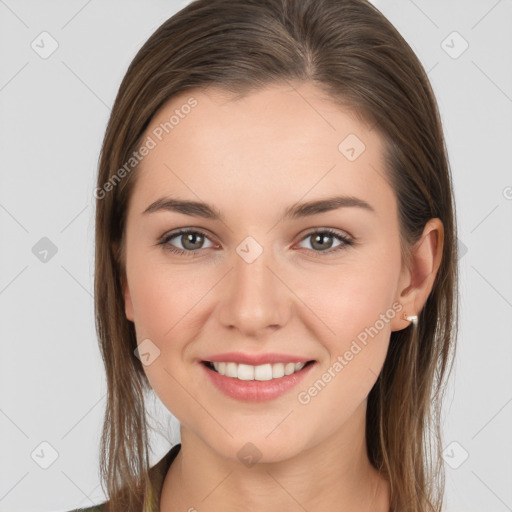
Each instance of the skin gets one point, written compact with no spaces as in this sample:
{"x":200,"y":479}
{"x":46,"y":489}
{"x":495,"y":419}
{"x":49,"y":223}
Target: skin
{"x":251,"y":158}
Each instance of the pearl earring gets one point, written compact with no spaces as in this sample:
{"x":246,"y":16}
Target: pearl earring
{"x":413,"y":319}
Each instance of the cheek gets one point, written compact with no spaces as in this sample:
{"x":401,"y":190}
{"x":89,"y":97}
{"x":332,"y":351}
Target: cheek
{"x":352,"y":296}
{"x":162,"y":297}
{"x":169,"y":309}
{"x":355,"y":303}
{"x":164,"y":303}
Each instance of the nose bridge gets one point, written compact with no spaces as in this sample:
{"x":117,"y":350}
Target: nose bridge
{"x":255,"y":299}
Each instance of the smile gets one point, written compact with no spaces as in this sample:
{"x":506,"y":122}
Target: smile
{"x":248,"y":383}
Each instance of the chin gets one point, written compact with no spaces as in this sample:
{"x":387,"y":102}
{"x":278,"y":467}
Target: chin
{"x":251,"y":449}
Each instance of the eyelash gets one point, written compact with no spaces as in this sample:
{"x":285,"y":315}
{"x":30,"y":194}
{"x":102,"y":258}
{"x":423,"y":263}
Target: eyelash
{"x":165,"y":241}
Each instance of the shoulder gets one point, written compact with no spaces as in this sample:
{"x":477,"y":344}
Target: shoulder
{"x":157,"y":474}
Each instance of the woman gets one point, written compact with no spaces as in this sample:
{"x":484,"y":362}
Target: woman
{"x":276,"y":260}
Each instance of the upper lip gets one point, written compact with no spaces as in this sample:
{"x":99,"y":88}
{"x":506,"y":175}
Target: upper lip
{"x":255,"y":359}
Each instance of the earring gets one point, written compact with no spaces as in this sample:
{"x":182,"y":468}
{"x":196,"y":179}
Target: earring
{"x":413,"y":319}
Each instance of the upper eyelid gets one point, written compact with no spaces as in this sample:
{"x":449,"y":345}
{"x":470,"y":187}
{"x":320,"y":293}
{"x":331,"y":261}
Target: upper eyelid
{"x":183,"y":231}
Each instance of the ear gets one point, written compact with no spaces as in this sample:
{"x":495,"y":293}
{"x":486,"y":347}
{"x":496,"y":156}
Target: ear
{"x":128,"y":306}
{"x":417,"y":278}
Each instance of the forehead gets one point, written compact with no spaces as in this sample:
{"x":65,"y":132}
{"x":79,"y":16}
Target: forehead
{"x":285,"y":140}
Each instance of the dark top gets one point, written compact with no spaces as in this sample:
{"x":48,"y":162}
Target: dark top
{"x":157,"y":475}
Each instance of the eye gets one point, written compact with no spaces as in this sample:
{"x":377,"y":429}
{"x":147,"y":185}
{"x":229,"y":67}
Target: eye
{"x":322,"y":241}
{"x":188,"y":240}
{"x":191,"y":241}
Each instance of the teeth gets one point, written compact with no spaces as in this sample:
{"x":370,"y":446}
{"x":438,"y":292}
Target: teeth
{"x":289,"y":368}
{"x":261,"y":372}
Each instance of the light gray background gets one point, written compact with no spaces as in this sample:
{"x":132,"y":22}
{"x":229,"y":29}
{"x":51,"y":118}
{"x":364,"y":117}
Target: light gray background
{"x":53,"y":116}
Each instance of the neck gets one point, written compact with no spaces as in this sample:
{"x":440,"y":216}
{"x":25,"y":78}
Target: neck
{"x":333,"y":475}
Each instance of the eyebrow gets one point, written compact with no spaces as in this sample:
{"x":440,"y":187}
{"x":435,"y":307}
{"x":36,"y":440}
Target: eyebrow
{"x":301,"y":210}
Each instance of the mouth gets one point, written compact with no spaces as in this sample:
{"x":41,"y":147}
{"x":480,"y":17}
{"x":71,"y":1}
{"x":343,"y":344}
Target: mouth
{"x":263,"y":372}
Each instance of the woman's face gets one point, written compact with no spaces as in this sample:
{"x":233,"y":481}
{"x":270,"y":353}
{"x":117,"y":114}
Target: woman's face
{"x":256,"y":281}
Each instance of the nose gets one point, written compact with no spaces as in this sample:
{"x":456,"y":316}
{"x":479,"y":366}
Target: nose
{"x":254,"y":299}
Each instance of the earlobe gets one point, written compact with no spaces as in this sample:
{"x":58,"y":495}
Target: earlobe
{"x":417,"y":282}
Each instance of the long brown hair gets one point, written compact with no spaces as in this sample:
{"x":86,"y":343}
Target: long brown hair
{"x":351,"y":51}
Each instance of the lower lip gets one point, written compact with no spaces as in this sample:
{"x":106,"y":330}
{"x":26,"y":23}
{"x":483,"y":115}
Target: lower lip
{"x":256,"y":390}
